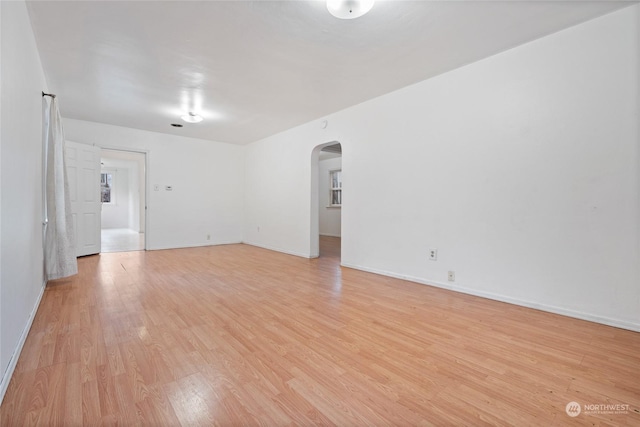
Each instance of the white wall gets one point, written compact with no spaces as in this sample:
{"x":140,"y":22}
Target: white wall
{"x":133,"y":220}
{"x":133,"y":214}
{"x":21,"y":264}
{"x":277,"y":192}
{"x":521,"y":169}
{"x":329,"y":217}
{"x":4,"y":378}
{"x":207,"y":180}
{"x":117,"y":214}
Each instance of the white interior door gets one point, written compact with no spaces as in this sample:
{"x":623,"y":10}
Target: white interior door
{"x":83,"y":172}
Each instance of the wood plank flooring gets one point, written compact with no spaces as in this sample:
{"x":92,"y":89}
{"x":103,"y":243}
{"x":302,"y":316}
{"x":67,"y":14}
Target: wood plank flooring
{"x":237,"y":335}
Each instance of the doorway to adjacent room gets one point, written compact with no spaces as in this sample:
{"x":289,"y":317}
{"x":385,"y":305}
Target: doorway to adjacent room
{"x":123,"y":196}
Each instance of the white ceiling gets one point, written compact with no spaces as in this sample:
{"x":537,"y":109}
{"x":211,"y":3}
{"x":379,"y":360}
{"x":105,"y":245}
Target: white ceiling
{"x":253,"y":69}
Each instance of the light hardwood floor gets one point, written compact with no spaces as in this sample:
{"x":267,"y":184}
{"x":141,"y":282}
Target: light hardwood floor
{"x":231,"y":335}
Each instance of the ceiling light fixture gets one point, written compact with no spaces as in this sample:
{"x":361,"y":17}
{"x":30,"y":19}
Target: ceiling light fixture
{"x":349,"y":9}
{"x":192,"y":118}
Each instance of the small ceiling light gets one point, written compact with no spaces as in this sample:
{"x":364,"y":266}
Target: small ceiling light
{"x":192,"y":118}
{"x":349,"y":9}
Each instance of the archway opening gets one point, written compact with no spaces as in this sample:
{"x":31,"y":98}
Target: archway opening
{"x":326,"y":200}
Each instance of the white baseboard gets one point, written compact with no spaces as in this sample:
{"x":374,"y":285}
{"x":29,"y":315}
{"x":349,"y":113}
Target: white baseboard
{"x":623,"y":324}
{"x":330,"y":235}
{"x":8,"y":373}
{"x":196,"y":245}
{"x":271,"y":248}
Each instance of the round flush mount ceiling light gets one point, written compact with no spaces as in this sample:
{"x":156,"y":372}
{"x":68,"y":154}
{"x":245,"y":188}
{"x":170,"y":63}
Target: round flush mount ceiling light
{"x":349,"y":9}
{"x":192,"y":118}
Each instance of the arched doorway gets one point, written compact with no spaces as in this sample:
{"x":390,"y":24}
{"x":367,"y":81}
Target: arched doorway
{"x":326,"y":199}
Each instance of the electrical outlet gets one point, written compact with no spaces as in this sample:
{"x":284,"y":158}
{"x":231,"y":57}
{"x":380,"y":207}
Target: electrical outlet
{"x":208,"y":236}
{"x":433,"y":254}
{"x":451,"y":276}
{"x":156,"y":187}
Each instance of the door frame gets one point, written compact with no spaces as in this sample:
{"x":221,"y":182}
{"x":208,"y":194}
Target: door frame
{"x":147,"y":186}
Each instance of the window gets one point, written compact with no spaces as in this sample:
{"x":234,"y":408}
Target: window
{"x":106,"y":185}
{"x":335,"y":187}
